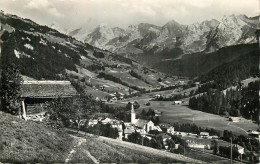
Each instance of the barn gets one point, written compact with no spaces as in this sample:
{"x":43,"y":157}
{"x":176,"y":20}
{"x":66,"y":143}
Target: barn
{"x":35,"y":94}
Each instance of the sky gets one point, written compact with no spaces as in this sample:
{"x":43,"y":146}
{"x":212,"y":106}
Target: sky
{"x":71,"y":14}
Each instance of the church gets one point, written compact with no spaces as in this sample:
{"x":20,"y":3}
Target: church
{"x":138,"y":125}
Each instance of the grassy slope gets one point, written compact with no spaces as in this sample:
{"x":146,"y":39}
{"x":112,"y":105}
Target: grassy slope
{"x":115,"y":151}
{"x":24,"y":141}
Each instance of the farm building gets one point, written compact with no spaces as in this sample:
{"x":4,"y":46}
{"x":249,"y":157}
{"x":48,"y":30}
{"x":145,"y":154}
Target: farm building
{"x":35,"y":94}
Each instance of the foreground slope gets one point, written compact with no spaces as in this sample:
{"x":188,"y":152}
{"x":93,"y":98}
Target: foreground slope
{"x":110,"y":150}
{"x":24,"y":141}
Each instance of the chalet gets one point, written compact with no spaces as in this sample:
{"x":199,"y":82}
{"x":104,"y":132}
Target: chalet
{"x":157,"y":113}
{"x":177,"y":102}
{"x":164,"y":137}
{"x":128,"y":130}
{"x":197,"y":84}
{"x":255,"y":134}
{"x":204,"y":134}
{"x":106,"y":121}
{"x":157,"y":128}
{"x":193,"y":144}
{"x":170,"y":130}
{"x":234,"y":119}
{"x":92,"y":122}
{"x":35,"y":94}
{"x":240,"y":149}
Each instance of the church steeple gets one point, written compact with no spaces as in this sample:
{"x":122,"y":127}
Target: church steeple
{"x":133,"y":115}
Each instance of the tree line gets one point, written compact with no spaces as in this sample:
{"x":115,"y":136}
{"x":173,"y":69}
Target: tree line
{"x":241,"y":101}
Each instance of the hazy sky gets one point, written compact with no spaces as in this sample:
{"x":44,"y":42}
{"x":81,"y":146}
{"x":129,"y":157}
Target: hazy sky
{"x":74,"y":13}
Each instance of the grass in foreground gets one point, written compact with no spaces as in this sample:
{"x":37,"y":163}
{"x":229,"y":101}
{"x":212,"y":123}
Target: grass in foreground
{"x":25,"y":141}
{"x":106,"y":152}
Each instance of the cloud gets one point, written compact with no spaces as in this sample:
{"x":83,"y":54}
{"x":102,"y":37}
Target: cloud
{"x":90,"y":13}
{"x":38,"y":4}
{"x":44,"y":6}
{"x":55,"y":12}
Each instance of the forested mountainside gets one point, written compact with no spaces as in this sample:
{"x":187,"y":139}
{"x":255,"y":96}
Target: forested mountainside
{"x":41,"y":52}
{"x":199,"y":64}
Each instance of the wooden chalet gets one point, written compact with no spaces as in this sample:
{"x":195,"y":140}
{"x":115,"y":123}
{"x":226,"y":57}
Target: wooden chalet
{"x":37,"y":93}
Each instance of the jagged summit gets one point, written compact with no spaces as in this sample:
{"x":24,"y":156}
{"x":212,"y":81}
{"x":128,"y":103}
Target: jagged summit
{"x":230,"y":30}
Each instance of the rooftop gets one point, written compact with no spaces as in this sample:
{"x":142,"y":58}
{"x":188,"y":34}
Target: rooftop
{"x":47,"y":89}
{"x":140,"y":123}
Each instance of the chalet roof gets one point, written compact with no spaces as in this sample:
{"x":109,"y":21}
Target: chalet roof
{"x":47,"y":89}
{"x":204,"y":133}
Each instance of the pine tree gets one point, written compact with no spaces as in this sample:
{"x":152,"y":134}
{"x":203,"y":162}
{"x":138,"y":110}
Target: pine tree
{"x":10,"y":89}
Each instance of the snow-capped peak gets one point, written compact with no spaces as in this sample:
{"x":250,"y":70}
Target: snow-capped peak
{"x":196,"y":37}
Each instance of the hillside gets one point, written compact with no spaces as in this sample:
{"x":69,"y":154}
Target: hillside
{"x":107,"y":150}
{"x":201,"y":63}
{"x":22,"y":142}
{"x":27,"y":141}
{"x":41,"y":52}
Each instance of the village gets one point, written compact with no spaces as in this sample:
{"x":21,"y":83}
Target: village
{"x":36,"y":93}
{"x":163,"y":92}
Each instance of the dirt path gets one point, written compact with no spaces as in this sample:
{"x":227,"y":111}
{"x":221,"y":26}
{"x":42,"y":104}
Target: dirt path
{"x":229,"y":124}
{"x":79,"y":142}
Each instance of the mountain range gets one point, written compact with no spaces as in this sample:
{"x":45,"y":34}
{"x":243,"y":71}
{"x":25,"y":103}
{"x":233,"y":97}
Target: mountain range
{"x":42,"y":52}
{"x":205,"y":36}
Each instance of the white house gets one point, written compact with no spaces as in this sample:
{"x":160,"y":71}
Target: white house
{"x":106,"y":121}
{"x":234,"y":119}
{"x":157,"y":128}
{"x":177,"y":102}
{"x":240,"y":149}
{"x":170,"y":130}
{"x":92,"y":122}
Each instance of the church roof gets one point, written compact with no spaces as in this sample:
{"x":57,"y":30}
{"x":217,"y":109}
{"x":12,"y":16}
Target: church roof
{"x":140,"y":123}
{"x":47,"y":89}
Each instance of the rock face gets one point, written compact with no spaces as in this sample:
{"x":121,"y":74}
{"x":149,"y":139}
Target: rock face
{"x":207,"y":36}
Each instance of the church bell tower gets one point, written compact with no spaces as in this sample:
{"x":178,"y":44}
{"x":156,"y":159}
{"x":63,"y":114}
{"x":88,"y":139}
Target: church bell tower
{"x":133,"y":114}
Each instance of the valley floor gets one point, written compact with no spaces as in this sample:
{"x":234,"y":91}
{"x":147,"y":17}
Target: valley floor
{"x":183,"y":114}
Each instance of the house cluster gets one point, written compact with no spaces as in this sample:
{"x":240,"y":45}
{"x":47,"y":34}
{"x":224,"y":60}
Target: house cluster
{"x":136,"y":125}
{"x":111,"y":97}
